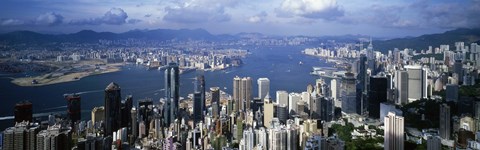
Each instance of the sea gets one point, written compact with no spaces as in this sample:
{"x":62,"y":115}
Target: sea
{"x":281,"y":64}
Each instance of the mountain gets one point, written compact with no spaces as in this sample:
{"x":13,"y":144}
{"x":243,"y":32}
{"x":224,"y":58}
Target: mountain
{"x":435,"y":40}
{"x":89,"y":36}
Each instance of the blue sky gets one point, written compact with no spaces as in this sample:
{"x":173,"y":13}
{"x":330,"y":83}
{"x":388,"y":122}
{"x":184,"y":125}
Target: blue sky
{"x":385,"y":18}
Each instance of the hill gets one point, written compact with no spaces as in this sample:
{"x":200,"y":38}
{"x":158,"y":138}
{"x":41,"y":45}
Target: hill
{"x":422,"y":42}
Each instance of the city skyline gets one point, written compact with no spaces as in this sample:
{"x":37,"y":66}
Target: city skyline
{"x":273,"y":17}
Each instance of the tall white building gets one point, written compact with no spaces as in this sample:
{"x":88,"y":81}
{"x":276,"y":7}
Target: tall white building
{"x":282,"y":98}
{"x":293,"y":98}
{"x":263,"y":87}
{"x":278,"y":138}
{"x":394,"y":132}
{"x":249,"y":139}
{"x":334,"y":88}
{"x":417,"y":83}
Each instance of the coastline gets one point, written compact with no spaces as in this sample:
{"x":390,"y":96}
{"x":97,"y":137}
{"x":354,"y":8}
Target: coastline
{"x":62,"y":77}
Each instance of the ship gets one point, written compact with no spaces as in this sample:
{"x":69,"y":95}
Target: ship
{"x":300,"y":63}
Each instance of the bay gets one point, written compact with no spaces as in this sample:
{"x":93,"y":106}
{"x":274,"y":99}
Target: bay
{"x":279,"y":64}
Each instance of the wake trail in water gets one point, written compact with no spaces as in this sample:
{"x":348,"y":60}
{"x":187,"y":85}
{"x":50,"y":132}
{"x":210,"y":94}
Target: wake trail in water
{"x":52,"y":108}
{"x":87,"y":92}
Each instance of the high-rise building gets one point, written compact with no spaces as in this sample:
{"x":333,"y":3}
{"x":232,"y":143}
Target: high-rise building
{"x":112,"y":117}
{"x":269,"y":112}
{"x":215,"y":102}
{"x":242,"y":93}
{"x":263,"y":87}
{"x":172,"y":94}
{"x":327,"y":111}
{"x":98,"y":114}
{"x":249,"y":139}
{"x":401,"y":84}
{"x":361,"y":86}
{"x":293,"y":99}
{"x":282,"y":113}
{"x":23,"y":111}
{"x":73,"y":107}
{"x":200,"y":87}
{"x":126,"y":109}
{"x":417,"y":83}
{"x":376,"y":95}
{"x":278,"y":139}
{"x":434,"y":143}
{"x":451,"y":93}
{"x":282,"y":97}
{"x":335,"y":90}
{"x":445,"y":121}
{"x":134,"y":119}
{"x":394,"y":132}
{"x":197,"y":107}
{"x":348,"y":94}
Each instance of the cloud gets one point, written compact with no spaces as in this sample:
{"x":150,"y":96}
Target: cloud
{"x":314,"y":9}
{"x":449,"y":14}
{"x":258,"y":18}
{"x":11,"y":22}
{"x":147,"y":15}
{"x":199,"y":11}
{"x":49,"y":19}
{"x":115,"y":16}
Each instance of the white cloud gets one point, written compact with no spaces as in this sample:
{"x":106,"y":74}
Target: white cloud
{"x":49,"y":19}
{"x":199,"y":11}
{"x":261,"y":17}
{"x":315,"y":9}
{"x":11,"y":22}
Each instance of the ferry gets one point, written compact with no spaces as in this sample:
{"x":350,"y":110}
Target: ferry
{"x":300,"y":63}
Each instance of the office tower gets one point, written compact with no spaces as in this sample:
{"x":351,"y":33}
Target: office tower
{"x":376,"y":95}
{"x":401,"y":82}
{"x":249,"y":139}
{"x":282,"y":113}
{"x":394,"y":132}
{"x":246,"y":93}
{"x":315,"y":107}
{"x":98,"y":114}
{"x":292,"y":135}
{"x":236,"y":93}
{"x":327,"y":111}
{"x":335,"y":90}
{"x":434,"y":143}
{"x":20,"y":137}
{"x":73,"y":107}
{"x":417,"y":83}
{"x":134,"y":119}
{"x":261,"y":138}
{"x":242,"y":93}
{"x":278,"y":139}
{"x":126,"y":109}
{"x":112,"y":117}
{"x":348,"y":94}
{"x":23,"y":111}
{"x":445,"y":121}
{"x":200,"y":87}
{"x":282,"y":97}
{"x":172,"y":93}
{"x":458,"y":69}
{"x":451,"y":93}
{"x":293,"y":98}
{"x":197,"y":107}
{"x":263,"y":87}
{"x":269,"y":112}
{"x":361,"y":86}
{"x":215,"y":102}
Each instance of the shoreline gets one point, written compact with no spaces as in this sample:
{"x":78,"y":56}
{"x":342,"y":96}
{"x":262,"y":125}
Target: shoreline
{"x":56,"y":77}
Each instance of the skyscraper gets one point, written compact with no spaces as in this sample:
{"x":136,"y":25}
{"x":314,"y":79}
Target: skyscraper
{"x":112,"y":109}
{"x":242,"y":93}
{"x":197,"y":107}
{"x":263,"y":87}
{"x":376,"y":95}
{"x":293,"y":98}
{"x":401,"y":84}
{"x":394,"y":132}
{"x":23,"y":111}
{"x":73,"y":107}
{"x":335,"y":90}
{"x":445,"y":121}
{"x":417,"y":83}
{"x":361,"y":85}
{"x":348,"y":94}
{"x":172,"y":93}
{"x":215,"y":102}
{"x":282,"y":97}
{"x":200,"y":87}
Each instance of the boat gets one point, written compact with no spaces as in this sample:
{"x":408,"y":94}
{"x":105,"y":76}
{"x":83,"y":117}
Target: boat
{"x":300,"y":63}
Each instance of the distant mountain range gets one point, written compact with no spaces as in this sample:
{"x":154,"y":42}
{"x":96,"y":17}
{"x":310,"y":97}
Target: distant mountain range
{"x":435,"y":40}
{"x":89,"y":36}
